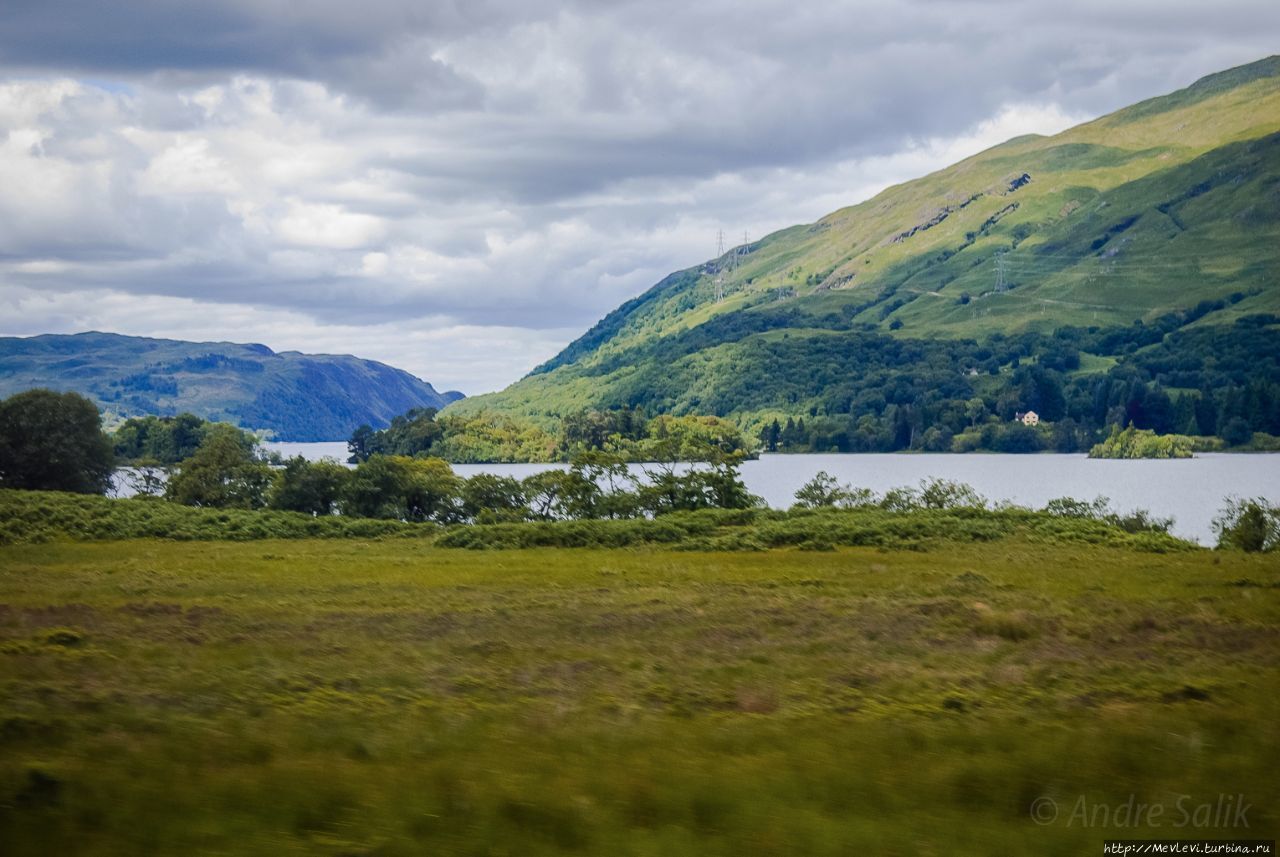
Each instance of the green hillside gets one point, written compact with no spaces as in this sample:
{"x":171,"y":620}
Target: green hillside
{"x":1164,"y":216}
{"x":296,"y":396}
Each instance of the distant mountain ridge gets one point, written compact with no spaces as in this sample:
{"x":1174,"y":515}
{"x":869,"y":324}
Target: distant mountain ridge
{"x":300,"y":397}
{"x":1167,"y":208}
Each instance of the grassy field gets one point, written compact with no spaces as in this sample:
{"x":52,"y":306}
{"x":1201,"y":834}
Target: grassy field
{"x":394,"y":698}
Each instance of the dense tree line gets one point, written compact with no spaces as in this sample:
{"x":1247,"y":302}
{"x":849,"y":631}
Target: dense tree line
{"x":169,"y":440}
{"x":486,"y":437}
{"x":54,"y":441}
{"x":873,"y":394}
{"x":863,"y":390}
{"x":222,"y":474}
{"x":868,"y":392}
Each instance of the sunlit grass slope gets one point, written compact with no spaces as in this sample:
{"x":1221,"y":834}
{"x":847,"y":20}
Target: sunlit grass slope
{"x":1140,"y":213}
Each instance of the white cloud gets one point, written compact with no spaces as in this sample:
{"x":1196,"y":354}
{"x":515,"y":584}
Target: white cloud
{"x":187,"y":166}
{"x":374,"y":264}
{"x":325,"y":225}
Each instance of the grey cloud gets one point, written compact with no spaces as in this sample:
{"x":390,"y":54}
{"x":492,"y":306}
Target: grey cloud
{"x":783,"y":82}
{"x":142,"y":36}
{"x":376,"y":50}
{"x":528,"y":164}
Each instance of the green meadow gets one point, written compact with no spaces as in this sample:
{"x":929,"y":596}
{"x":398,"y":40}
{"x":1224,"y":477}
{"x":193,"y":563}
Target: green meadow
{"x":395,"y":697}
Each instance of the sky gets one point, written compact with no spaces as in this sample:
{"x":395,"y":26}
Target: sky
{"x":461,"y":187}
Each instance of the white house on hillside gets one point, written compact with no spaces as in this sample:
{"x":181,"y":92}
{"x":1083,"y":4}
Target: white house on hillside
{"x":1030,"y":418}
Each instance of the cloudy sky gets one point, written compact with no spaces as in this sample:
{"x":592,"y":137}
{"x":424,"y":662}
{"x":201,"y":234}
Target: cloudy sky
{"x":460,"y":187}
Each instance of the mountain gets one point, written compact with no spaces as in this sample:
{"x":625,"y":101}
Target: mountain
{"x":303,"y":397}
{"x":1163,"y":215}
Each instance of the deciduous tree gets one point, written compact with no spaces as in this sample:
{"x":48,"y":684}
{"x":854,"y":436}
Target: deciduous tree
{"x":53,"y":442}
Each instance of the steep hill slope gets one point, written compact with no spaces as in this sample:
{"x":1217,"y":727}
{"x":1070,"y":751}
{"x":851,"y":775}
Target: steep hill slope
{"x":1166,"y":213}
{"x":297,"y":396}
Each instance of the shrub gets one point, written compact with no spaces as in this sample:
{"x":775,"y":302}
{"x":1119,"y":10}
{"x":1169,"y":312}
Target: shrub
{"x":1137,"y":521}
{"x":405,"y":489}
{"x":314,"y":487}
{"x":1248,"y":524}
{"x":810,"y":529}
{"x":1067,"y":507}
{"x":42,"y":516}
{"x":30,"y":517}
{"x":823,"y":491}
{"x":945,"y":494}
{"x":222,"y":474}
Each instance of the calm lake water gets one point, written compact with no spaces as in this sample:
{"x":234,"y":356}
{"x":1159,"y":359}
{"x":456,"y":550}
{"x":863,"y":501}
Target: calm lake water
{"x":1189,"y":490}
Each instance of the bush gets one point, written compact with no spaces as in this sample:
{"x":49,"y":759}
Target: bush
{"x":1248,"y":524}
{"x":43,"y":516}
{"x":222,"y":474}
{"x":314,"y":487}
{"x":811,"y":529}
{"x":1067,"y":507}
{"x":27,"y":517}
{"x":1137,"y":521}
{"x":932,"y":494}
{"x":823,"y":491}
{"x":404,"y":489}
{"x":1263,"y":442}
{"x":493,"y":499}
{"x":945,"y":494}
{"x":1140,"y":521}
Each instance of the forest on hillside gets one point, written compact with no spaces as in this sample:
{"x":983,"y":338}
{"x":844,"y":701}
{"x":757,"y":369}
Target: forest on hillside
{"x":836,"y":385}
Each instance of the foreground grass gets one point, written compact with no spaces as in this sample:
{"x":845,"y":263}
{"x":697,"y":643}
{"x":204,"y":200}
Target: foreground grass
{"x":390,"y":697}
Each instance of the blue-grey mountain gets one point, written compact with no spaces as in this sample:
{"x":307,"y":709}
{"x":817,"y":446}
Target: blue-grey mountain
{"x":302,"y":397}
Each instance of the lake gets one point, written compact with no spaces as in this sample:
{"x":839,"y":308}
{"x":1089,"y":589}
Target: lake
{"x":1189,"y":490}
